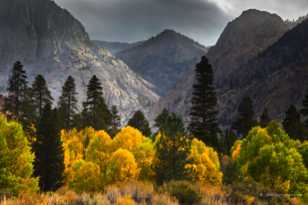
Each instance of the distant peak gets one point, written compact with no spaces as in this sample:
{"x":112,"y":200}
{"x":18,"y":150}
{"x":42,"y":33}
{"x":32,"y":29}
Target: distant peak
{"x":169,"y":31}
{"x":256,"y":12}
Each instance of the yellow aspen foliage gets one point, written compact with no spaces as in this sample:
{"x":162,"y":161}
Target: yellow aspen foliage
{"x":128,"y":138}
{"x":84,"y":177}
{"x":236,"y":149}
{"x":204,"y":163}
{"x":122,"y":166}
{"x":73,"y":147}
{"x":99,"y":148}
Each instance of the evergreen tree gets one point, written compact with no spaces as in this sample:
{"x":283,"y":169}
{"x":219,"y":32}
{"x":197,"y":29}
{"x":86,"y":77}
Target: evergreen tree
{"x":95,"y":111}
{"x":40,"y":95}
{"x":293,"y":125}
{"x":172,"y":148}
{"x":203,"y":115}
{"x":49,"y":164}
{"x":304,"y":110}
{"x":115,"y":121}
{"x":17,"y":101}
{"x":245,"y":119}
{"x":265,"y":118}
{"x":68,"y":104}
{"x":140,"y":122}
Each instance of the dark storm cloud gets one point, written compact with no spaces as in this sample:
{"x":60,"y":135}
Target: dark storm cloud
{"x":133,"y":20}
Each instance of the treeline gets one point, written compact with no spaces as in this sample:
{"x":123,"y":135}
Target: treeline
{"x":87,"y":150}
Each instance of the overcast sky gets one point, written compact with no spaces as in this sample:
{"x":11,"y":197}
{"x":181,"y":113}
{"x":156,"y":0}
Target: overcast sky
{"x":203,"y":20}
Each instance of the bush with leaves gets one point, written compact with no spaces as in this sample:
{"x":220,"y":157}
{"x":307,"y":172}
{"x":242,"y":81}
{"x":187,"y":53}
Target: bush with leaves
{"x":121,"y":167}
{"x":16,"y":159}
{"x":204,"y":165}
{"x":85,"y":177}
{"x":269,"y":157}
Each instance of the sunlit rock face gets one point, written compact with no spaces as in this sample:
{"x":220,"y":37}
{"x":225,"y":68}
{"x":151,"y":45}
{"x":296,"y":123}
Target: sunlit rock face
{"x":48,"y":40}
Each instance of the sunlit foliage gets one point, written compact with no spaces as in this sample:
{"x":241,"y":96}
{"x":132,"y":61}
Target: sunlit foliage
{"x":15,"y":159}
{"x":204,"y":163}
{"x":269,"y":157}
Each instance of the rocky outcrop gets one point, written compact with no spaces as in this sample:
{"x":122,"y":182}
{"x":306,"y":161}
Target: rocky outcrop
{"x":163,"y":59}
{"x":50,"y":41}
{"x":115,"y":47}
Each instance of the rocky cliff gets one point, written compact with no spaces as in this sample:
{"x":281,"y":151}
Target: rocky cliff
{"x":50,"y":41}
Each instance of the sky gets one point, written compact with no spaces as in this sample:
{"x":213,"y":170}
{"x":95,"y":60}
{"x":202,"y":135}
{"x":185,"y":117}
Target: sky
{"x":202,"y":20}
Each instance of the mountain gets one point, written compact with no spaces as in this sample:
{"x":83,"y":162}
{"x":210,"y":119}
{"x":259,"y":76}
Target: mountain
{"x":50,"y":41}
{"x":114,"y":47}
{"x":243,"y":39}
{"x":163,"y":59}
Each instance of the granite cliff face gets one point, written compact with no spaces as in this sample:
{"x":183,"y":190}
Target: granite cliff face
{"x":115,"y":47}
{"x":49,"y":41}
{"x":234,"y":60}
{"x":163,"y":59}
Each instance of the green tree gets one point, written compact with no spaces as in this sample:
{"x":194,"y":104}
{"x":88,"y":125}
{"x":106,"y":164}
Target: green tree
{"x":245,"y":119}
{"x":203,"y":115}
{"x":140,"y":122}
{"x":17,"y":101}
{"x":95,"y":111}
{"x":293,"y":125}
{"x":272,"y":159}
{"x":15,"y":159}
{"x":172,"y":148}
{"x":49,"y":164}
{"x":265,"y":118}
{"x":115,"y":121}
{"x":40,"y":95}
{"x":67,"y":104}
{"x":304,"y":110}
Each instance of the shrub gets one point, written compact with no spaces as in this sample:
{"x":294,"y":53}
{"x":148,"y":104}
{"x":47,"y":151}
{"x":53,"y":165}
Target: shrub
{"x":85,"y":177}
{"x":185,"y":192}
{"x":204,"y":163}
{"x":122,"y":166}
{"x":16,"y":159}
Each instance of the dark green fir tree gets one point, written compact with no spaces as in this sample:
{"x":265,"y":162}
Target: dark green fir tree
{"x":304,"y":110}
{"x":203,"y":115}
{"x":17,"y":100}
{"x":172,"y":148}
{"x":95,"y":111}
{"x":245,"y":119}
{"x":293,"y":125}
{"x":265,"y":118}
{"x":67,"y":105}
{"x":40,"y":95}
{"x":140,"y":122}
{"x":49,"y":163}
{"x":115,"y":121}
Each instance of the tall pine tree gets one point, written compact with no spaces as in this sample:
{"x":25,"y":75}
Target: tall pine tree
{"x":17,"y":101}
{"x":264,"y":118}
{"x":140,"y":122}
{"x":203,"y":115}
{"x":172,"y":148}
{"x":293,"y":125}
{"x":304,"y":110}
{"x":49,"y":164}
{"x":95,"y":111}
{"x":245,"y":118}
{"x":67,"y":104}
{"x":40,"y":95}
{"x":115,"y":121}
